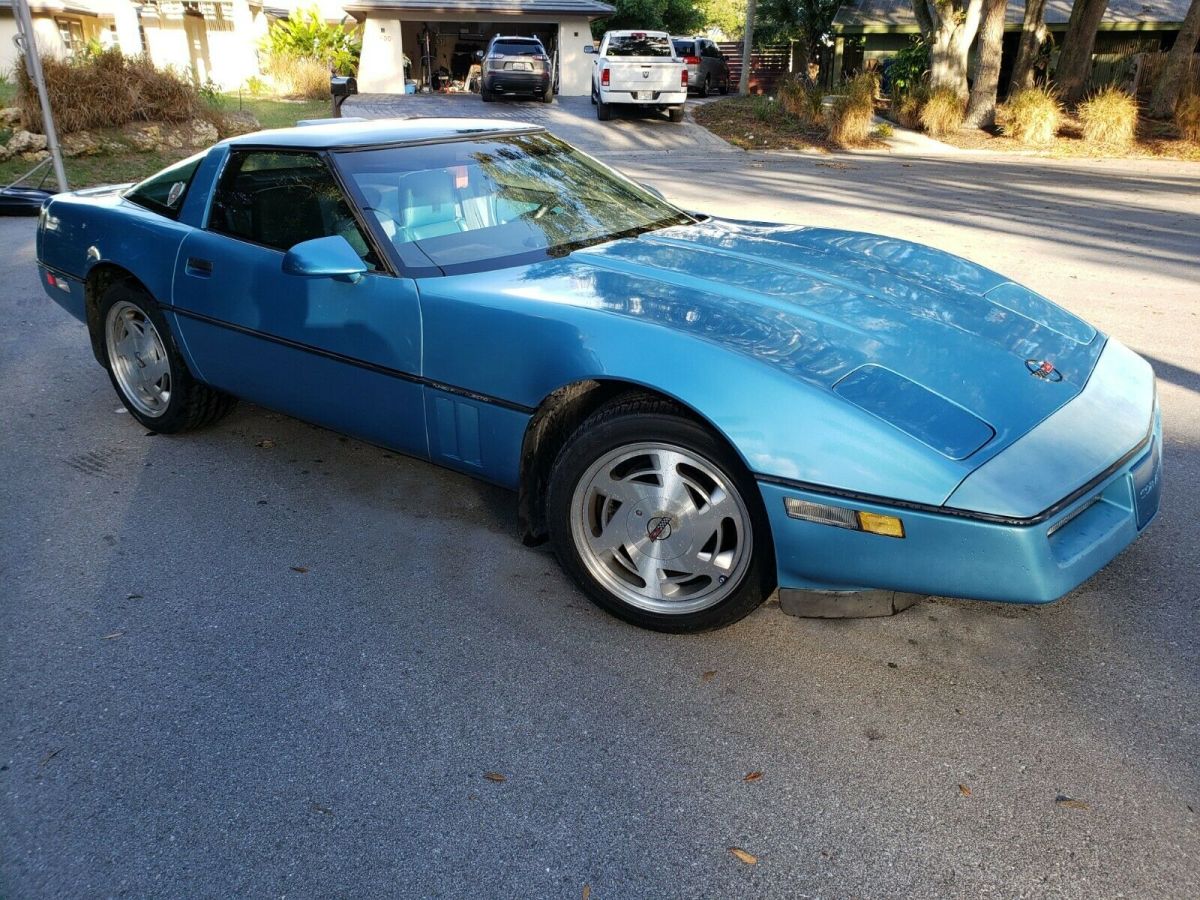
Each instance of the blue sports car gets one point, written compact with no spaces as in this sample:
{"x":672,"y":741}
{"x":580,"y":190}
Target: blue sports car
{"x":693,"y":410}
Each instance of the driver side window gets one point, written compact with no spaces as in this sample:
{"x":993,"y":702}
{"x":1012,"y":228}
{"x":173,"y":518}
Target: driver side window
{"x":281,"y":198}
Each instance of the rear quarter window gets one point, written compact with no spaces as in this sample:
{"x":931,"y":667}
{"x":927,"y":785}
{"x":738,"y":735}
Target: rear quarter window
{"x":165,"y":192}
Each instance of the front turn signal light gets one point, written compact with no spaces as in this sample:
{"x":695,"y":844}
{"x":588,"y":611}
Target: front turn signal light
{"x":840,"y":517}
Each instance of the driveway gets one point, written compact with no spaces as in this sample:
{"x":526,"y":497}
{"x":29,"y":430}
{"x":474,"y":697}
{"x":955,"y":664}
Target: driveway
{"x":572,"y":118}
{"x":265,"y":659}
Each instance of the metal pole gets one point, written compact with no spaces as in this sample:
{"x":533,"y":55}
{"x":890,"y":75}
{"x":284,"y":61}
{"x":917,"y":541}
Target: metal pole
{"x":747,"y":45}
{"x":33,"y":65}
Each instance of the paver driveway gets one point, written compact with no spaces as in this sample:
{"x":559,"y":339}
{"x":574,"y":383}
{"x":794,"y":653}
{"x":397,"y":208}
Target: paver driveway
{"x":184,"y":713}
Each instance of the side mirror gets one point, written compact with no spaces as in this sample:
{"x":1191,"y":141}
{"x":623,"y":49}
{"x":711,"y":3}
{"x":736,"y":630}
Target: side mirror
{"x":479,"y":54}
{"x":327,"y":257}
{"x":589,"y":48}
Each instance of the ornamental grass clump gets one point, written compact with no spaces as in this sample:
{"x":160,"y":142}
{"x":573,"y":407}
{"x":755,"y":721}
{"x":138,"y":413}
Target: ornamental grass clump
{"x":1187,"y":118}
{"x":942,"y":112}
{"x":1031,"y":116}
{"x":848,"y":120}
{"x":1109,"y":117}
{"x":299,"y":77}
{"x":802,"y":100}
{"x":907,"y":104}
{"x":109,"y":89}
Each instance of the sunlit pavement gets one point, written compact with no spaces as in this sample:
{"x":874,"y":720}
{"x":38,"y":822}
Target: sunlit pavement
{"x":185,"y":713}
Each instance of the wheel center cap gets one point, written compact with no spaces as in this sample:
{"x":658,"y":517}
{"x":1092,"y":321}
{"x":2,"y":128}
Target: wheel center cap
{"x":658,"y":530}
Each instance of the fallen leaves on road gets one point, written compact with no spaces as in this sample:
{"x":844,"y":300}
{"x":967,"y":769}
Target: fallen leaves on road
{"x":748,"y":858}
{"x":709,"y":675}
{"x":49,"y":756}
{"x":586,"y":894}
{"x":324,"y":810}
{"x":113,"y":636}
{"x":753,"y":776}
{"x":266,"y":444}
{"x":300,"y":569}
{"x":964,"y":790}
{"x":1066,"y":802}
{"x":496,"y":777}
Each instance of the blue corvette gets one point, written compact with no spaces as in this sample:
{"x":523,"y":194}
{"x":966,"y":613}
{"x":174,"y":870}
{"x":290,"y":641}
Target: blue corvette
{"x":693,"y":410}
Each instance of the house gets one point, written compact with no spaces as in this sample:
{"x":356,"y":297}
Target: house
{"x":410,"y":34}
{"x":866,"y":30}
{"x":212,"y":40}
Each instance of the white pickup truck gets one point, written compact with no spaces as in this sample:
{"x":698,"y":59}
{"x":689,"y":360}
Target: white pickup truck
{"x":638,"y":68}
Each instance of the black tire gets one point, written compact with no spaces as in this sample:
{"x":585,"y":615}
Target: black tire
{"x":705,"y":87}
{"x":675,"y":113}
{"x":603,"y":110}
{"x":724,"y":88}
{"x":192,"y":404}
{"x":485,"y":95}
{"x":548,"y":94}
{"x":637,"y":419}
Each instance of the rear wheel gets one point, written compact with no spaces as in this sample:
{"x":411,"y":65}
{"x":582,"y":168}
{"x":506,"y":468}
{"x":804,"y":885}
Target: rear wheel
{"x":146,"y":368}
{"x":675,"y":113}
{"x":548,"y":94}
{"x":485,"y":95}
{"x":603,"y":110}
{"x":658,"y":520}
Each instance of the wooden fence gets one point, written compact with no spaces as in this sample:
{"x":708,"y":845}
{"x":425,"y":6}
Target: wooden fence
{"x":1148,"y":66}
{"x":768,"y":65}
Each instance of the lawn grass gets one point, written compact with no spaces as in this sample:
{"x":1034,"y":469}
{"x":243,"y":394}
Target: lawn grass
{"x":118,"y":168}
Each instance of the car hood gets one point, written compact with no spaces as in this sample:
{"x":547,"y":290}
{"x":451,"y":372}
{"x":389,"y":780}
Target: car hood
{"x":935,"y":345}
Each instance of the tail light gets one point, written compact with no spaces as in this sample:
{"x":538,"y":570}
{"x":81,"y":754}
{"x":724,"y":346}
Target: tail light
{"x":692,"y":60}
{"x":495,"y":62}
{"x":683,"y":78}
{"x":604,"y":77}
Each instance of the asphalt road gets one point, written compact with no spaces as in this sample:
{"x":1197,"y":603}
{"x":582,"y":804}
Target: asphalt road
{"x":184,"y":712}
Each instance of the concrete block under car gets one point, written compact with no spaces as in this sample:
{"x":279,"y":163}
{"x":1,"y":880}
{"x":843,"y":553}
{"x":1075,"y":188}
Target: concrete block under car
{"x":845,"y":604}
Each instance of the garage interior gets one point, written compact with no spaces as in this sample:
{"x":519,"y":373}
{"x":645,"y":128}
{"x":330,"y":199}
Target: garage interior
{"x":441,"y":54}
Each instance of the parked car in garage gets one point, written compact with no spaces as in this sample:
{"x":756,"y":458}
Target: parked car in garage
{"x":638,"y":68}
{"x":516,"y":65}
{"x":708,"y":70}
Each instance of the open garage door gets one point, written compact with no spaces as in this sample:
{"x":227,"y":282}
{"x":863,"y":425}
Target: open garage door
{"x":442,"y":54}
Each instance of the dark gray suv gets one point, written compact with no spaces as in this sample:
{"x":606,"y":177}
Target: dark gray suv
{"x":516,"y":65}
{"x":707,"y":69}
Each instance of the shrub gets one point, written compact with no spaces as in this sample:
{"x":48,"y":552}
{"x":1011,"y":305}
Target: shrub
{"x":942,"y":112}
{"x":849,"y":118}
{"x":107,"y":90}
{"x":305,"y":35}
{"x":802,"y":100}
{"x":906,"y":106}
{"x":1031,"y":116}
{"x":908,"y":69}
{"x":765,"y":109}
{"x":883,"y":131}
{"x":1187,"y":118}
{"x":298,"y":76}
{"x":1109,"y":117}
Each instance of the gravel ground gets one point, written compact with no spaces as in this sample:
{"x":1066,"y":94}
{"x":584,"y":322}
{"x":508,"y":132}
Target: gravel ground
{"x":185,"y":712}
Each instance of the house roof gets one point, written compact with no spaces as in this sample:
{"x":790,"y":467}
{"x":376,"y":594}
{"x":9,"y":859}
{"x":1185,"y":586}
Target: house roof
{"x":58,"y":7}
{"x":864,"y":16}
{"x":592,"y":9}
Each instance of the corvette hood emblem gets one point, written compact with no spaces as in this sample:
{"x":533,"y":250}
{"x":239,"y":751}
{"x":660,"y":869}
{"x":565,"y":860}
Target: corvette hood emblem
{"x":1043,"y":369}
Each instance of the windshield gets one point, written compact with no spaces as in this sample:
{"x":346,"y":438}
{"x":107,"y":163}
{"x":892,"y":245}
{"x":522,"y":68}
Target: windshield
{"x":638,"y":44}
{"x":473,"y":205}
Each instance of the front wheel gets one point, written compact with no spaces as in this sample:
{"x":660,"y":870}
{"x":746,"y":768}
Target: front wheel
{"x":705,"y":87}
{"x":146,"y":368}
{"x":658,"y":521}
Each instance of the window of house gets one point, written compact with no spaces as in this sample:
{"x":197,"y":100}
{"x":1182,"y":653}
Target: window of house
{"x":71,"y":33}
{"x":280,"y":198}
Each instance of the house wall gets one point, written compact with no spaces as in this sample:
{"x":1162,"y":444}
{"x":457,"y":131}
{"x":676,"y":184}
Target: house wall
{"x":574,"y":66}
{"x":49,"y":40}
{"x":381,"y":67}
{"x":223,"y":50}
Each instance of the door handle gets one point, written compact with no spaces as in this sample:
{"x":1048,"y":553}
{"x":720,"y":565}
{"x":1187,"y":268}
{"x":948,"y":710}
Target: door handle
{"x":201,"y":268}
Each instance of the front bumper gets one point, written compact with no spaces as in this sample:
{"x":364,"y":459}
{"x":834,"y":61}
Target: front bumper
{"x":958,"y":554}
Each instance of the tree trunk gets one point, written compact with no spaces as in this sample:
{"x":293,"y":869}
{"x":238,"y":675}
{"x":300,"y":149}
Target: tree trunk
{"x":1033,"y":34}
{"x":981,"y":109}
{"x":949,"y":27}
{"x":1075,"y":62}
{"x":1170,"y":82}
{"x":747,"y":48}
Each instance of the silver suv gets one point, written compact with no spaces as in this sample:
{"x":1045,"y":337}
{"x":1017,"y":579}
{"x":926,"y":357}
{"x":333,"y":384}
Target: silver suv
{"x":707,"y":69}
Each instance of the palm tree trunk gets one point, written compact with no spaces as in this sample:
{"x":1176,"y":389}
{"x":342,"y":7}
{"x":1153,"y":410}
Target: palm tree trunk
{"x":1170,"y":82}
{"x":1033,"y":33}
{"x":981,"y":108}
